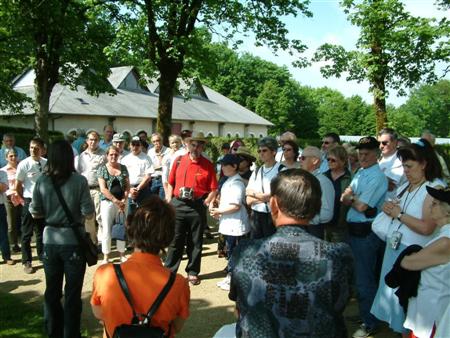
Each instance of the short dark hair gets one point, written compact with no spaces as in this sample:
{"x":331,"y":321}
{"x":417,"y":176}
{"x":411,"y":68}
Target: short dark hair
{"x":37,"y":140}
{"x":334,"y":136}
{"x":423,"y":152}
{"x":185,"y":134}
{"x":389,"y":131}
{"x":152,"y":227}
{"x":298,"y":193}
{"x":60,"y":161}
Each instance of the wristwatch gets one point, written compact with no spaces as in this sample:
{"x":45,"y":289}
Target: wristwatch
{"x":400,"y":215}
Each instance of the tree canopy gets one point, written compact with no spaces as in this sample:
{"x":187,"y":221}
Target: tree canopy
{"x":61,"y":40}
{"x":394,"y":50}
{"x":165,"y":32}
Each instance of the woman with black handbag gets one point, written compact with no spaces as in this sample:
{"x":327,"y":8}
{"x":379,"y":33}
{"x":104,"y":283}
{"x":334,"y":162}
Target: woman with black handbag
{"x":149,"y":230}
{"x":63,"y":256}
{"x":114,"y":185}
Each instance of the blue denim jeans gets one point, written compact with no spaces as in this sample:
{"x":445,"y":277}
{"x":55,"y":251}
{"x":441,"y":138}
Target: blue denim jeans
{"x":63,"y":262}
{"x":4,"y":242}
{"x":156,"y":187}
{"x":368,"y":251}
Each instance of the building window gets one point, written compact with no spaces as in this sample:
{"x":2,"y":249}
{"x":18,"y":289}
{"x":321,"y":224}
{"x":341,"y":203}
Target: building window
{"x":210,"y":134}
{"x":228,"y":135}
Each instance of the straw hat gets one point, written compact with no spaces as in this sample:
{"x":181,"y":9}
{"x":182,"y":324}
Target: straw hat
{"x":245,"y":152}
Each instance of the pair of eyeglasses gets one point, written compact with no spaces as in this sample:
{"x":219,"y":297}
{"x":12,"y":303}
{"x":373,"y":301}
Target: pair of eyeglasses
{"x":385,"y":143}
{"x":332,"y":160}
{"x":287,"y":149}
{"x":135,"y":144}
{"x":234,"y":149}
{"x":262,"y":150}
{"x":302,"y":158}
{"x":325,"y":142}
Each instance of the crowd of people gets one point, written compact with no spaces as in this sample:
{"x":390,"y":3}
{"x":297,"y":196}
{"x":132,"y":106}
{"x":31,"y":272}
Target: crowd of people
{"x":303,"y":231}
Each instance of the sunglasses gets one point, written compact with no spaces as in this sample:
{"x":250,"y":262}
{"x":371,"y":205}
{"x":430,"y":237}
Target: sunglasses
{"x":332,"y":160}
{"x":385,"y":143}
{"x":262,"y":150}
{"x":135,"y":144}
{"x":304,"y":157}
{"x":325,"y":142}
{"x":287,"y":149}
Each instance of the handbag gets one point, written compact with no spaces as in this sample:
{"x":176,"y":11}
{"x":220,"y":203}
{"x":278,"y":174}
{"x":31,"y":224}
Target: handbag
{"x":84,"y":240}
{"x":381,"y":225}
{"x":140,"y":326}
{"x":118,"y":229}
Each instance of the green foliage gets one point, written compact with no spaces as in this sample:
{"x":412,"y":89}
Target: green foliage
{"x":428,"y":107}
{"x":394,"y":49}
{"x":62,"y":41}
{"x":24,"y":135}
{"x":166,"y":35}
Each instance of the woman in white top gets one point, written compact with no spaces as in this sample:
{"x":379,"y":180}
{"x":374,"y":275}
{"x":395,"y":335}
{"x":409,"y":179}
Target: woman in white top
{"x":433,"y":296}
{"x":409,"y":222}
{"x":232,"y":214}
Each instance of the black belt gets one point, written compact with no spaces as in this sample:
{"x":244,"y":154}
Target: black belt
{"x":362,"y":229}
{"x":94,"y":186}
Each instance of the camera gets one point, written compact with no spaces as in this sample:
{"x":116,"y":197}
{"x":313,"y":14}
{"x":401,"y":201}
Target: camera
{"x":395,"y":240}
{"x":186,"y":194}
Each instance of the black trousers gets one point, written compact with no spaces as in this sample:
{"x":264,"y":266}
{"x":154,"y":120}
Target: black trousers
{"x":261,"y":225}
{"x":189,"y":231}
{"x":28,"y":224}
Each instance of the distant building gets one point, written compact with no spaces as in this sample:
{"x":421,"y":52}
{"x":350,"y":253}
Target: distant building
{"x":135,"y":108}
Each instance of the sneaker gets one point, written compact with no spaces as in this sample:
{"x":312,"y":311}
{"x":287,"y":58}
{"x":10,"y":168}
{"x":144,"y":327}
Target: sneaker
{"x":226,"y":280}
{"x":10,"y":262}
{"x":364,"y":332}
{"x":28,"y":268}
{"x":225,"y":286}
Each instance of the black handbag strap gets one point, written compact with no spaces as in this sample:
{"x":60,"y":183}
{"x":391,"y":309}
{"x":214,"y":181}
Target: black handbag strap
{"x":63,"y":203}
{"x":156,"y":303}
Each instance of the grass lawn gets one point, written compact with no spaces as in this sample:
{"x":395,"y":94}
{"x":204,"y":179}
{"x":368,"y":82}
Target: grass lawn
{"x":18,"y":319}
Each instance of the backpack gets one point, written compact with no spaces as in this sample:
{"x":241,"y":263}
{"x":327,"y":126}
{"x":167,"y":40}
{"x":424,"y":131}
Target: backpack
{"x":140,"y":326}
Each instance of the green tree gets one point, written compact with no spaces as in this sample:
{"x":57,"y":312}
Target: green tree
{"x":394,"y":50}
{"x":61,"y":40}
{"x":428,"y":107}
{"x":164,"y":31}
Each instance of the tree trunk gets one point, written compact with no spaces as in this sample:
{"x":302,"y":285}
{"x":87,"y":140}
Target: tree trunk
{"x":167,"y":84}
{"x":379,"y":103}
{"x":42,"y":101}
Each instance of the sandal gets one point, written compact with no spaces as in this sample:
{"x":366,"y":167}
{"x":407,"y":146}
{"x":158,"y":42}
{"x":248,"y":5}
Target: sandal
{"x":194,"y":280}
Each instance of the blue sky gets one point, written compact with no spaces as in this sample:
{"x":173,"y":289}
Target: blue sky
{"x":329,"y":24}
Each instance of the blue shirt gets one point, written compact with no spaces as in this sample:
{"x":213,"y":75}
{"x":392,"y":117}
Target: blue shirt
{"x":370,"y":186}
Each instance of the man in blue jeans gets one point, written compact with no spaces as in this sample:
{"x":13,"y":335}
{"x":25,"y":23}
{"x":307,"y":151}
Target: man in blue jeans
{"x":365,"y":196}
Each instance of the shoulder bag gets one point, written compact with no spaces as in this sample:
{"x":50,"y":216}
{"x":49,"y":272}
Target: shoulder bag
{"x":140,"y":326}
{"x":83,"y":238}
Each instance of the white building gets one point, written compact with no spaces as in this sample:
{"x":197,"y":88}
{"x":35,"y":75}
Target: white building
{"x":135,"y":107}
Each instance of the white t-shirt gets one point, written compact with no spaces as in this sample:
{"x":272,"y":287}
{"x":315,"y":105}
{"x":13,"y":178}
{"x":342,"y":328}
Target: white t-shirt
{"x":392,"y":168}
{"x":327,"y":198}
{"x":28,"y":171}
{"x":433,"y":296}
{"x":138,"y":166}
{"x":233,"y":192}
{"x":260,"y":183}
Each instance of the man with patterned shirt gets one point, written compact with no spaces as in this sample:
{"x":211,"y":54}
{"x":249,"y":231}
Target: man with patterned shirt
{"x":291,"y":284}
{"x":87,"y":164}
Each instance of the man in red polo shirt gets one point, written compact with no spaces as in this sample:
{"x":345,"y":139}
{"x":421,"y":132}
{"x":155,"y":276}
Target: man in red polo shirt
{"x":192,"y":188}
